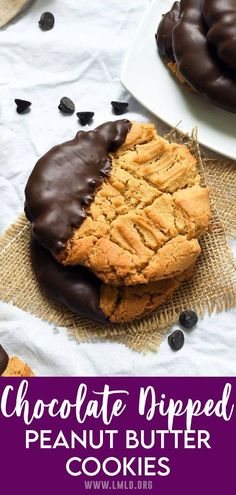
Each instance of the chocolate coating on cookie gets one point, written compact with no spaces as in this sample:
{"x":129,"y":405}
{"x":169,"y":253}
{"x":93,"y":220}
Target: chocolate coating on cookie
{"x":4,"y":359}
{"x":64,"y":180}
{"x":197,"y":61}
{"x":73,"y":286}
{"x":164,"y":32}
{"x":220,"y":17}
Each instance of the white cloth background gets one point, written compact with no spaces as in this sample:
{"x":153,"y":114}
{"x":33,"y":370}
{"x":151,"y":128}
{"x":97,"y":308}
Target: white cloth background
{"x":80,"y":58}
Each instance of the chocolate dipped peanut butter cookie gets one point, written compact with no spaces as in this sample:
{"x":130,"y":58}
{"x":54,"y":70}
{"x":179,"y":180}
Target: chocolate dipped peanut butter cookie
{"x":196,"y":39}
{"x":132,"y":215}
{"x":220,"y":18}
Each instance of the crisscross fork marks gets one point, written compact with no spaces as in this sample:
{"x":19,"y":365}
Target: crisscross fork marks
{"x":145,"y":219}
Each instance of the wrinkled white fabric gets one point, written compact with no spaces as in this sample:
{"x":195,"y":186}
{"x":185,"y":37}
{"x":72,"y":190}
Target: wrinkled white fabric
{"x":80,"y":58}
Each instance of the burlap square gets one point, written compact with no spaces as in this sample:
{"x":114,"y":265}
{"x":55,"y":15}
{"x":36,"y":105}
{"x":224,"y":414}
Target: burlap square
{"x":9,"y":9}
{"x":213,"y":287}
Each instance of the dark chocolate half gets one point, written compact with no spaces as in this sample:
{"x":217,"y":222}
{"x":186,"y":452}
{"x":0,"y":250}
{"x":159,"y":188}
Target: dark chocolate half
{"x":220,"y":17}
{"x":64,"y":180}
{"x":4,"y":359}
{"x":197,"y":60}
{"x":73,"y":286}
{"x":164,"y":32}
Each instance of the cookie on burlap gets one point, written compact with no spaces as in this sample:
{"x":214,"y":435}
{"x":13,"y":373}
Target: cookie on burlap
{"x":84,"y":294}
{"x":126,"y":303}
{"x":121,"y":201}
{"x":13,"y":367}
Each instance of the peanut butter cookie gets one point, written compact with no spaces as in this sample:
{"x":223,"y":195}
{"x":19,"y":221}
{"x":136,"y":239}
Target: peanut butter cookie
{"x":84,"y":294}
{"x":145,"y":219}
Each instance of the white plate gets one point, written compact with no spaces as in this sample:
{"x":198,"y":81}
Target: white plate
{"x":150,"y":82}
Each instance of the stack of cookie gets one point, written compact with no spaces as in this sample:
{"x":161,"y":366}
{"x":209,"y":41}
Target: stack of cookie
{"x":13,"y":367}
{"x":116,"y":216}
{"x":197,"y":40}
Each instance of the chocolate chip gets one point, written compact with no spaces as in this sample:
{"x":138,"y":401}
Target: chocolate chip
{"x":22,"y":105}
{"x":188,"y":319}
{"x":66,"y":105}
{"x":176,"y":340}
{"x":46,"y":21}
{"x":85,"y":117}
{"x":119,"y":107}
